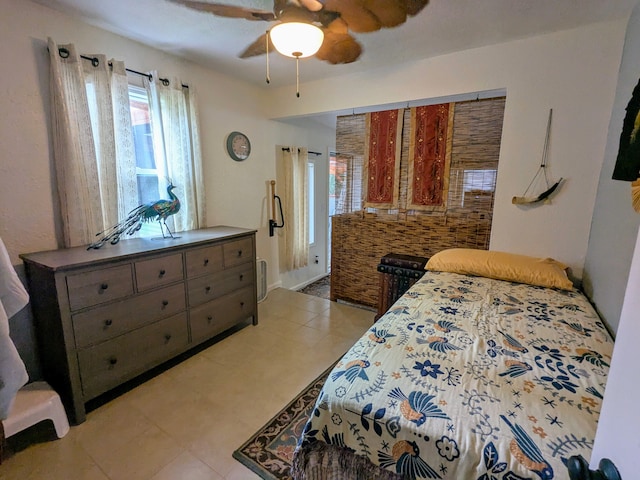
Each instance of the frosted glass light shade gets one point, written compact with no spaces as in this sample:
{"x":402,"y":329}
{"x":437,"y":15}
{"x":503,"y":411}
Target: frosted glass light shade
{"x":295,"y":39}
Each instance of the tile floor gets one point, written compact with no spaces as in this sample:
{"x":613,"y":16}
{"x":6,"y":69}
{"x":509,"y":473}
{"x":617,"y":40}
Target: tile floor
{"x":185,"y":422}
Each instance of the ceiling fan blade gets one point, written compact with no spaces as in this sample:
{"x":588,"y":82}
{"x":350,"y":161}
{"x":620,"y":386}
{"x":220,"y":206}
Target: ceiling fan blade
{"x":357,"y":16}
{"x":390,"y":13}
{"x":278,"y":6}
{"x":311,"y":5}
{"x":415,"y":6}
{"x":339,"y":48}
{"x":337,"y":25}
{"x":294,"y":13}
{"x":231,"y":11}
{"x":370,"y":15}
{"x":259,"y":47}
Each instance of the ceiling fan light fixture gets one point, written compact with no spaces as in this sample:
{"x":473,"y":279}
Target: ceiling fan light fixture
{"x":296,"y":39}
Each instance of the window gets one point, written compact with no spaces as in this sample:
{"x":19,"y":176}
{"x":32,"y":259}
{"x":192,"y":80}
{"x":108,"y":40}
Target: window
{"x":346,"y":181}
{"x":470,"y":189}
{"x":147,"y":173}
{"x":478,"y":184}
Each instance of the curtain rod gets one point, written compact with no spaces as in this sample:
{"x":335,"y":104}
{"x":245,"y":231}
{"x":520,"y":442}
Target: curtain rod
{"x":95,"y":61}
{"x":287,"y":149}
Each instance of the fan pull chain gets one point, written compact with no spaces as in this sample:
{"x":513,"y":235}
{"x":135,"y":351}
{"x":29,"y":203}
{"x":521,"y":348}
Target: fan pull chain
{"x":297,"y":76}
{"x":267,"y":49}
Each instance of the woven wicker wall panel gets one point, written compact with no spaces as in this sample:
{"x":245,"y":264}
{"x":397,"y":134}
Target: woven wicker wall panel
{"x":360,"y":239}
{"x":359,"y":243}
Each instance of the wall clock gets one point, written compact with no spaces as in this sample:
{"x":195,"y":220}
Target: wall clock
{"x":238,"y":146}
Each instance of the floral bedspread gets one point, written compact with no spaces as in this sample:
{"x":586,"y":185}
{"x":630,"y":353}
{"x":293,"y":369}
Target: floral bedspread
{"x":470,"y":378}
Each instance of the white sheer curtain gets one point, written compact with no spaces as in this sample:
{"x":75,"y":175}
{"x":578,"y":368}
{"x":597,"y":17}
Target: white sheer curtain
{"x":296,"y":207}
{"x":93,"y":145}
{"x":176,"y":140}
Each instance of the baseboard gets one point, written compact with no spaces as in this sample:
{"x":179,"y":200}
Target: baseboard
{"x":308,"y":282}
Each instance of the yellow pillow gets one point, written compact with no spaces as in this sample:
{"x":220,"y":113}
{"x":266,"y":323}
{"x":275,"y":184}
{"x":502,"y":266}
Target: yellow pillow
{"x":545,"y":272}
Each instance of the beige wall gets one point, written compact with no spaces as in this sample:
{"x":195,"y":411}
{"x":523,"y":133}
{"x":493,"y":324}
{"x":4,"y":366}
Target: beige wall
{"x":236,"y":191}
{"x":613,"y":272}
{"x":574,"y":72}
{"x":615,"y":223}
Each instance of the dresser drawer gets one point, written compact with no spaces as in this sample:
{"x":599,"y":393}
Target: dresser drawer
{"x":237,"y":252}
{"x":203,"y":261}
{"x":204,"y":289}
{"x":103,"y":323}
{"x":217,"y":316}
{"x":99,"y":286}
{"x":107,"y":365}
{"x":158,"y":271}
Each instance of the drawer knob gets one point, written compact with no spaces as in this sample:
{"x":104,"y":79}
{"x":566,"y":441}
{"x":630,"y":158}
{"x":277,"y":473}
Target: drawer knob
{"x":239,"y":253}
{"x":207,"y":289}
{"x":112,"y":362}
{"x":241,"y":277}
{"x":108,"y":322}
{"x":162,"y":273}
{"x":206,"y":262}
{"x":241,"y":304}
{"x":165,"y":303}
{"x":104,"y":286}
{"x":209,"y":318}
{"x":167,"y":337}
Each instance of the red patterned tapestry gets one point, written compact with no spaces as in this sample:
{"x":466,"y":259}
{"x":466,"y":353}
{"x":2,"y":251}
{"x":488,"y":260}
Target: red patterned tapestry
{"x":430,"y":156}
{"x":382,"y":158}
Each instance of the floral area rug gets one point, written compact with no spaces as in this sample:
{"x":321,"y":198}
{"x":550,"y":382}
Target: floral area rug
{"x":320,"y":288}
{"x":269,"y":451}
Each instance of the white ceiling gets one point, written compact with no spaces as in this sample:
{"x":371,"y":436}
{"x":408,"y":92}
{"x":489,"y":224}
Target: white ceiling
{"x":444,"y":26}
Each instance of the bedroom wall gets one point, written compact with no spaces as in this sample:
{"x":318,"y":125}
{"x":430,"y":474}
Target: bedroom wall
{"x":617,"y":435}
{"x":615,"y":223}
{"x":574,"y":72}
{"x":27,"y":182}
{"x":236,"y":191}
{"x":613,"y":272}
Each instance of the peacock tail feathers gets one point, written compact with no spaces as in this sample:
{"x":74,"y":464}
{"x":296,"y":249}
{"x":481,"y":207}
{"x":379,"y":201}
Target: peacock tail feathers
{"x":158,"y":210}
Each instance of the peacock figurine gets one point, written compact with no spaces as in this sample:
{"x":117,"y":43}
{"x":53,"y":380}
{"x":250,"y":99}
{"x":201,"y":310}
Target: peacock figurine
{"x":158,"y":210}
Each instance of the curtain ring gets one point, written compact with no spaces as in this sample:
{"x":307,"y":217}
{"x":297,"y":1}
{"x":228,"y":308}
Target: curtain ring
{"x":165,"y":81}
{"x":63,"y":52}
{"x":95,"y":62}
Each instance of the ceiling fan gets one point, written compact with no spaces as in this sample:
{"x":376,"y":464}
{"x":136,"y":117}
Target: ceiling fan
{"x":336,"y":19}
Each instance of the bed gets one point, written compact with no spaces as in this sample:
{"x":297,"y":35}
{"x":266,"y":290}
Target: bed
{"x":472,"y":374}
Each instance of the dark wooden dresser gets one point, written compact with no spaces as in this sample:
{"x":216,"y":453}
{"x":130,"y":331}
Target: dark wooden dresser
{"x":106,"y":316}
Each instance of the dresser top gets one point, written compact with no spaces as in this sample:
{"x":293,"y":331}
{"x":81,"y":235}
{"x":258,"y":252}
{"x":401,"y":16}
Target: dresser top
{"x":74,"y":257}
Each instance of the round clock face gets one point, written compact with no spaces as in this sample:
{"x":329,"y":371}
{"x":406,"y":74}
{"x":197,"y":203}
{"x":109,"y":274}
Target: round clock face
{"x":238,"y":146}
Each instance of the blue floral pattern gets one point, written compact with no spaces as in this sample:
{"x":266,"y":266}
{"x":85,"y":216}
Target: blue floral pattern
{"x":470,"y":377}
